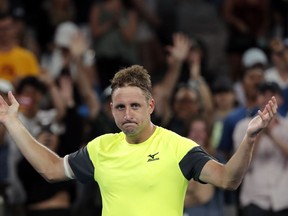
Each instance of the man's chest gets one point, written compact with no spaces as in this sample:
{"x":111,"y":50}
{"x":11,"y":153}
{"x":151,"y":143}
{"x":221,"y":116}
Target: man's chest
{"x":146,"y":169}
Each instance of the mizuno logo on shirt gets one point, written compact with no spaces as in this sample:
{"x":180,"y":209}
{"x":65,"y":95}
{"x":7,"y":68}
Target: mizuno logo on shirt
{"x":151,"y":157}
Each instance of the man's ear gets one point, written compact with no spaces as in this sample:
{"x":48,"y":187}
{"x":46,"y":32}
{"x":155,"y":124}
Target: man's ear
{"x":151,"y":106}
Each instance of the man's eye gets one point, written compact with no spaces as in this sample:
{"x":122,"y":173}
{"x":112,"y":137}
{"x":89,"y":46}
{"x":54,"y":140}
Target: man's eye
{"x":120,"y":107}
{"x":135,"y":106}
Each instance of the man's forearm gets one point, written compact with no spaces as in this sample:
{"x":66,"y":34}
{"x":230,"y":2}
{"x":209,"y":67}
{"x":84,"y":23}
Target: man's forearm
{"x":45,"y":161}
{"x":238,"y":164}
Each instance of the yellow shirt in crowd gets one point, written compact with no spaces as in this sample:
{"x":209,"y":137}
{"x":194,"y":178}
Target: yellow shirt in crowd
{"x":18,"y":63}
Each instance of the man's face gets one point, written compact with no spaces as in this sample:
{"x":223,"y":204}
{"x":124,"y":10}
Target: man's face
{"x":131,"y":110}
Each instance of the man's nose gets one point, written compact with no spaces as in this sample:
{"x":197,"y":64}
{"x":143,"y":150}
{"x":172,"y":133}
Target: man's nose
{"x":128,"y":114}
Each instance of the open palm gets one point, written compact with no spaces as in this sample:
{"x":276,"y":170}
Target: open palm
{"x":263,"y":118}
{"x":8,"y":111}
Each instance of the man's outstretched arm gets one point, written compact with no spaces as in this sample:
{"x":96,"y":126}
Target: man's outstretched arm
{"x":45,"y":161}
{"x":230,"y":175}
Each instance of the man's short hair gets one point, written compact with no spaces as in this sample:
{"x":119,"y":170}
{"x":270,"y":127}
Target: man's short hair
{"x":135,"y":75}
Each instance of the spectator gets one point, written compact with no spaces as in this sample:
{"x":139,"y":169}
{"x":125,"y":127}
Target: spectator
{"x":278,"y":71}
{"x":193,"y":98}
{"x":44,"y":198}
{"x":224,"y":101}
{"x":247,"y":87}
{"x":165,"y":87}
{"x":151,"y":51}
{"x":72,"y":58}
{"x":202,"y":199}
{"x":181,"y":101}
{"x":252,"y":77}
{"x":279,"y":19}
{"x":48,"y":16}
{"x":15,"y":62}
{"x":253,"y":59}
{"x":259,"y":194}
{"x":31,"y":92}
{"x":113,"y":26}
{"x":201,"y":19}
{"x":186,"y":105}
{"x":248,"y":26}
{"x":25,"y":34}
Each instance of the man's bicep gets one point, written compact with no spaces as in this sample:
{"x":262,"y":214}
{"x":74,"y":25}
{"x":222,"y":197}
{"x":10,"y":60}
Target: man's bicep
{"x":212,"y":173}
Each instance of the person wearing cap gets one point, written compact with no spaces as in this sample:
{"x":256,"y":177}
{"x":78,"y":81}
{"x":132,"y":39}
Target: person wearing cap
{"x":70,"y":41}
{"x":254,"y":56}
{"x":264,"y":189}
{"x":254,"y":65}
{"x":72,"y":58}
{"x":246,"y":93}
{"x":16,"y":62}
{"x":278,"y":71}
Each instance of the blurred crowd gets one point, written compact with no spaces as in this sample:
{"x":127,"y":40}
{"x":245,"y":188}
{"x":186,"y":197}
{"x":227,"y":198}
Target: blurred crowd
{"x":213,"y":64}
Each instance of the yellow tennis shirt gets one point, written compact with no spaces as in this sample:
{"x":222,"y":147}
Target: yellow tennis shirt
{"x":144,"y":179}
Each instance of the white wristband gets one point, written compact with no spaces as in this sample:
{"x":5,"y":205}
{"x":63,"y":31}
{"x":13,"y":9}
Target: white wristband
{"x":67,"y":168}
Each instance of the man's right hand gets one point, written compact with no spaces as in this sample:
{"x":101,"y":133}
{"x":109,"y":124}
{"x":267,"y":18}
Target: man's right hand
{"x":8,"y":111}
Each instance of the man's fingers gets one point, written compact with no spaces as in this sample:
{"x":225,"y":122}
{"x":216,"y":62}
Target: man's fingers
{"x":270,"y":111}
{"x":2,"y":101}
{"x":12,"y":99}
{"x":275,"y":105}
{"x":271,"y":107}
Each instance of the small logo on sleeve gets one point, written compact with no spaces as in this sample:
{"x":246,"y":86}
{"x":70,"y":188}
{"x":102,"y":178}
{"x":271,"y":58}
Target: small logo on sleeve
{"x":152,"y":157}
